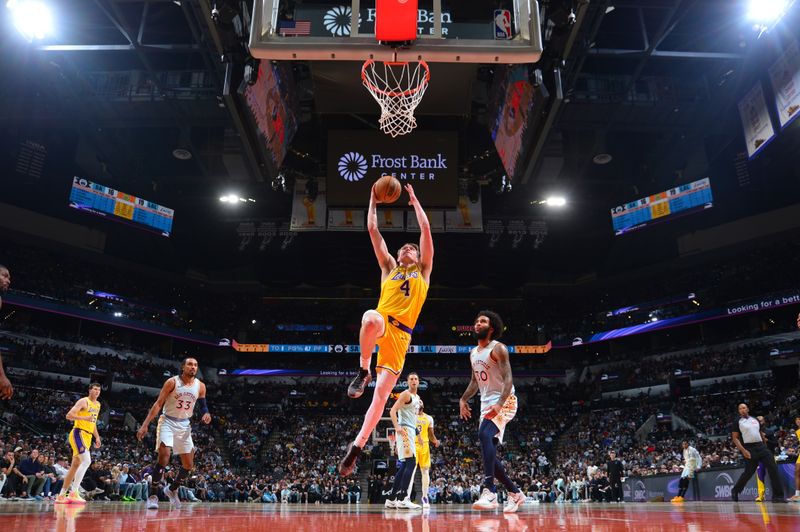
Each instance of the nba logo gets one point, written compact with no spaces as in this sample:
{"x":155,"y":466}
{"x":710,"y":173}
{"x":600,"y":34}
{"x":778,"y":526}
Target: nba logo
{"x":502,"y":24}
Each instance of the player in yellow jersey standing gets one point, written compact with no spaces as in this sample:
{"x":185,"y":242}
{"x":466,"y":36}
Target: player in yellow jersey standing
{"x":425,"y":436}
{"x":404,"y":287}
{"x":796,"y":496}
{"x":84,"y":415}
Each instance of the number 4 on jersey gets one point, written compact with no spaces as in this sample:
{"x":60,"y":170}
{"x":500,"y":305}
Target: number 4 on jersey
{"x":406,"y":287}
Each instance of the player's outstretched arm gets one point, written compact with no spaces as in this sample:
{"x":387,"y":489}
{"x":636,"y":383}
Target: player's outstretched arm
{"x":425,"y":237}
{"x":385,"y":259}
{"x":168,"y":388}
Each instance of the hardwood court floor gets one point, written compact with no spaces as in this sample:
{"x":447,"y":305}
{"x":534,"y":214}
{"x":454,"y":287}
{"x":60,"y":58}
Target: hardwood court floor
{"x":641,"y":517}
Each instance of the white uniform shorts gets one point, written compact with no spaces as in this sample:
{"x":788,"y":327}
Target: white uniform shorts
{"x":406,"y":448}
{"x":174,"y":433}
{"x":502,"y":419}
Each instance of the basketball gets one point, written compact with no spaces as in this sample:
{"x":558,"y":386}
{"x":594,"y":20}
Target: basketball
{"x":388,"y":189}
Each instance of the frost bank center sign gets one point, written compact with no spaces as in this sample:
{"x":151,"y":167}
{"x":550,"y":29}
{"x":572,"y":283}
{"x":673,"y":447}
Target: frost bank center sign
{"x":426,"y":160}
{"x":334,"y":21}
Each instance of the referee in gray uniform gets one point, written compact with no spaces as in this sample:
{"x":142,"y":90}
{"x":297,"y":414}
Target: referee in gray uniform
{"x":746,"y":432}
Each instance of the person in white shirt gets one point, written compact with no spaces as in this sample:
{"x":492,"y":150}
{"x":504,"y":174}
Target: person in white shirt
{"x":692,"y":461}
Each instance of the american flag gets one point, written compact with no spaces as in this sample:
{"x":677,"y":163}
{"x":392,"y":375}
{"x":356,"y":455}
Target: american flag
{"x":294,"y":27}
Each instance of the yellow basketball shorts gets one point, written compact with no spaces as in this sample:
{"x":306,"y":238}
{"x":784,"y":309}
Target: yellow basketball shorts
{"x":79,"y":440}
{"x":424,"y":456}
{"x":393,"y":345}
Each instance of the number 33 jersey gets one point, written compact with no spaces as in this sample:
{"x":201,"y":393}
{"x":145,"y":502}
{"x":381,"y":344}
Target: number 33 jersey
{"x":180,"y":403}
{"x":487,"y":375}
{"x":402,"y":295}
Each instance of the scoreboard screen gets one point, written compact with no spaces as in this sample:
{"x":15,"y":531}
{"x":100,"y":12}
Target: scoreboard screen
{"x":119,"y":206}
{"x":678,"y":201}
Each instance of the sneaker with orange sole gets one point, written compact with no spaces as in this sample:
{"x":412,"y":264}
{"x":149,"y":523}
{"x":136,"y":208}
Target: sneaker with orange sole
{"x":75,"y":498}
{"x":62,"y":499}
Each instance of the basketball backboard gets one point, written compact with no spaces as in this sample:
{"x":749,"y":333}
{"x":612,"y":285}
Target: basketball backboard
{"x":452,"y":31}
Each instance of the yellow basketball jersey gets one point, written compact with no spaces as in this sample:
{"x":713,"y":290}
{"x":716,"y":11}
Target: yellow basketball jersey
{"x":797,"y":433}
{"x":423,"y":424}
{"x":402,"y":295}
{"x":94,"y":411}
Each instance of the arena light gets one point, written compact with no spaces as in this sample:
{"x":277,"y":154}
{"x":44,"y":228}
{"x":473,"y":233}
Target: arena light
{"x":33,"y":19}
{"x":767,"y":11}
{"x":555,"y":201}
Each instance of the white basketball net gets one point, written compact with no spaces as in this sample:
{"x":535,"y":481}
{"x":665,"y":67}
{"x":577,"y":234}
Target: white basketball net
{"x":398,"y":88}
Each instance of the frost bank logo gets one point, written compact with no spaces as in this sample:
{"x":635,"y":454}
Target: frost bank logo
{"x":352,"y":166}
{"x":337,"y":20}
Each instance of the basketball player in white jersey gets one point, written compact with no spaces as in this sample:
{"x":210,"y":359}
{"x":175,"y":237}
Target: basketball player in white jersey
{"x":404,"y":418}
{"x":174,"y":431}
{"x":491,"y":375}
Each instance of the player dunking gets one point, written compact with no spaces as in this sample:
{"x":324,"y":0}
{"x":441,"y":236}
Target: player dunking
{"x":404,"y":419}
{"x":404,"y":287}
{"x":6,"y":390}
{"x":425,"y":436}
{"x":491,"y":375}
{"x":174,"y":431}
{"x":84,"y":415}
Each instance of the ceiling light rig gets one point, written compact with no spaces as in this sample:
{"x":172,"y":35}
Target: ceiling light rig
{"x":32,"y":18}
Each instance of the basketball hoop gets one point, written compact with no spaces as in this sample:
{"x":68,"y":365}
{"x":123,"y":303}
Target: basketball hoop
{"x":398,"y":87}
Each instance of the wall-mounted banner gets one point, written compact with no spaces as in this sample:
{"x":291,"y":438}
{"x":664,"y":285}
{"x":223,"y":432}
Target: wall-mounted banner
{"x":428,"y":160}
{"x":346,"y":220}
{"x":435,"y":218}
{"x":785,"y":77}
{"x":308,"y":206}
{"x":391,"y":220}
{"x":758,"y":130}
{"x":467,"y":218}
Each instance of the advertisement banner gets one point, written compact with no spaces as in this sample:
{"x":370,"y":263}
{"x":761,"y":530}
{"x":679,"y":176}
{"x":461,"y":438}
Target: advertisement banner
{"x":346,"y":220}
{"x":308,"y":206}
{"x":785,"y":77}
{"x":643,"y":489}
{"x":753,"y":305}
{"x":758,"y":130}
{"x":712,"y":485}
{"x":467,"y":218}
{"x":428,"y":160}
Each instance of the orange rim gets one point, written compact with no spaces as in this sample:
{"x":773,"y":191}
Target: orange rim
{"x":394,"y":94}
